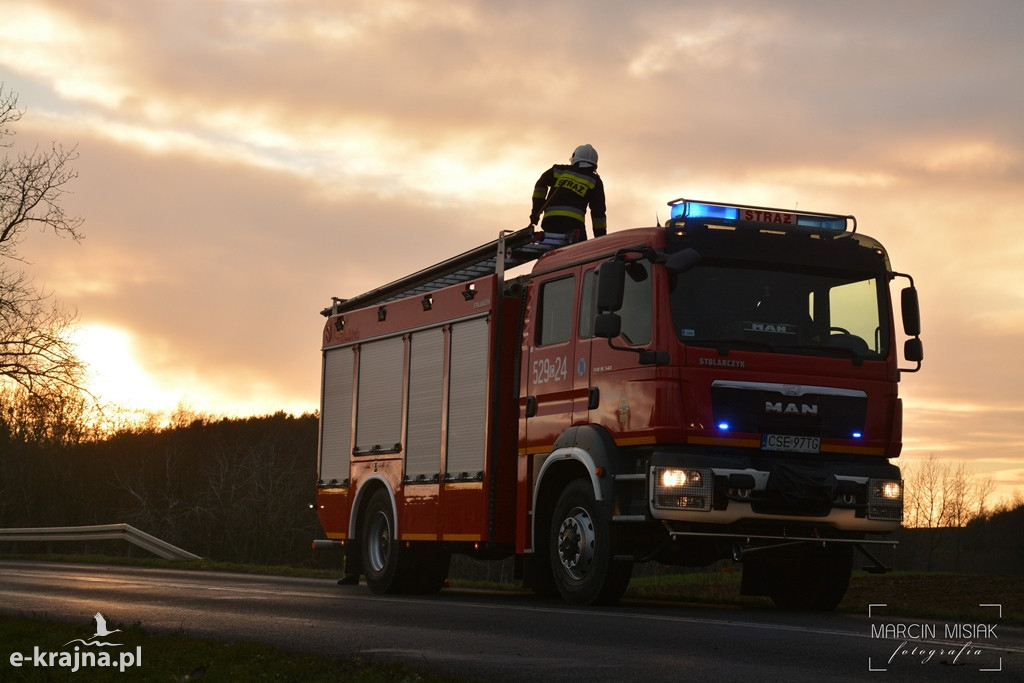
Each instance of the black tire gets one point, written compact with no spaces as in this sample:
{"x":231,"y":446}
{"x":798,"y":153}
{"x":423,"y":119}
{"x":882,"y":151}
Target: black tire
{"x":537,"y":566}
{"x":581,"y":548}
{"x":540,"y":580}
{"x":432,"y":563}
{"x":818,"y":580}
{"x":384,"y":566}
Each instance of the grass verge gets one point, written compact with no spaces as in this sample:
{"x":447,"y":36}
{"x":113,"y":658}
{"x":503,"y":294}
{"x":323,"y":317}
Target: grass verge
{"x":176,"y":658}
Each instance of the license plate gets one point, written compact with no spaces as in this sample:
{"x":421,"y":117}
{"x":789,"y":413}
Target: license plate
{"x":791,"y":444}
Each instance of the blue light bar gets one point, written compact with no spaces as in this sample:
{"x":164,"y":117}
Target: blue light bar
{"x":822,"y":223}
{"x":701,"y":210}
{"x":686,"y":210}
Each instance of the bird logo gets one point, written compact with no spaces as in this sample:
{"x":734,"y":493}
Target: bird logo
{"x":101,"y":627}
{"x":101,"y":632}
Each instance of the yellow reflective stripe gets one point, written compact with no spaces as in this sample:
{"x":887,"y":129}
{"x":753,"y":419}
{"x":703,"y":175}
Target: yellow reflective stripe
{"x":858,"y":450}
{"x":580,"y":178}
{"x":573,"y":182}
{"x":567,"y":212}
{"x":464,"y":486}
{"x":636,"y":441}
{"x":713,"y":441}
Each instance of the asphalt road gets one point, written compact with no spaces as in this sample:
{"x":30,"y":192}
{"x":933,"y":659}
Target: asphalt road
{"x":515,"y":637}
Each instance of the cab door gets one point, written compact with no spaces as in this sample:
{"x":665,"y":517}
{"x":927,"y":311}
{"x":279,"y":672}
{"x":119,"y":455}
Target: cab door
{"x":585,"y":396}
{"x":621,"y":396}
{"x":550,"y":371}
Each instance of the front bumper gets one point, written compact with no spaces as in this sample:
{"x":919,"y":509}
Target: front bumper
{"x":846,"y":497}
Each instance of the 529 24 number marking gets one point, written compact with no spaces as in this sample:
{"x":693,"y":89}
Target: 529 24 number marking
{"x":550,"y":369}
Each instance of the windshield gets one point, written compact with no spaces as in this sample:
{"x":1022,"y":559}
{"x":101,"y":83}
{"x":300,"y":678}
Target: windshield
{"x":838,"y":313}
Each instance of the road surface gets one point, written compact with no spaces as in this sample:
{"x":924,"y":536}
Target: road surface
{"x":514,"y":636}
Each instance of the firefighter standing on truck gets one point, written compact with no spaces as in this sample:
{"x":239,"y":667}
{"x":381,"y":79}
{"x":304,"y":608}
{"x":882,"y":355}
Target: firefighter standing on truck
{"x":563,"y":193}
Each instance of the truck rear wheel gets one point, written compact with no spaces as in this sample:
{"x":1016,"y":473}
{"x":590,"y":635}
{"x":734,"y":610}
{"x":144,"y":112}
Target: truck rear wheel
{"x":581,"y":548}
{"x":386,"y":570}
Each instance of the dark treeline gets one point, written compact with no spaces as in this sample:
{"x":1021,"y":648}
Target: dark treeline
{"x":235,"y":490}
{"x":239,"y":490}
{"x":988,"y":544}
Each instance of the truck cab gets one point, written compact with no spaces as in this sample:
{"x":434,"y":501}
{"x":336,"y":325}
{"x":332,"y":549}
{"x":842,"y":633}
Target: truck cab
{"x":727,"y":384}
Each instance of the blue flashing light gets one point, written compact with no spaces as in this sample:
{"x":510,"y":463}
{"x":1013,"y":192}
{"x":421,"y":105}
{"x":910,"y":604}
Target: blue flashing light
{"x":702,"y":210}
{"x":857,"y":435}
{"x":838,"y":224}
{"x":686,"y":210}
{"x":724,"y":426}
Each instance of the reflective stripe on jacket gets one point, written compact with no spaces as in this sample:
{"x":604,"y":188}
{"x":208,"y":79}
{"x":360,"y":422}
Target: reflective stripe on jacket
{"x":564,"y":192}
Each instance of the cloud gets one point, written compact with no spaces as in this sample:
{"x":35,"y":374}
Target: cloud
{"x":243,"y":161}
{"x":80,"y":61}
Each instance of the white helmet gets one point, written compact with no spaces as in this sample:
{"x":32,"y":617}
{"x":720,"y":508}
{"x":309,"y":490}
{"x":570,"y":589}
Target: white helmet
{"x":584,"y":155}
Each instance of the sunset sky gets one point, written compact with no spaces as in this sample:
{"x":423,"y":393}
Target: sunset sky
{"x":242,"y":161}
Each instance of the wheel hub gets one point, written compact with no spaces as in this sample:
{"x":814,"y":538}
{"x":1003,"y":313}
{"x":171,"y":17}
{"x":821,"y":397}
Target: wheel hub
{"x":379,"y":542}
{"x":576,"y":543}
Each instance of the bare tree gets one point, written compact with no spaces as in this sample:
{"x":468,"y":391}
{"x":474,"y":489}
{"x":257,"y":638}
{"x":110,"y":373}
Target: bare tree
{"x":927,"y":498}
{"x":967,"y":501}
{"x":54,"y":418}
{"x":35,"y":351}
{"x":943,"y":499}
{"x":940,"y":495}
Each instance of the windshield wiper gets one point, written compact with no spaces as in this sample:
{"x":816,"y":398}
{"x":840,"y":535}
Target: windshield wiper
{"x":725,"y":345}
{"x":834,"y":351}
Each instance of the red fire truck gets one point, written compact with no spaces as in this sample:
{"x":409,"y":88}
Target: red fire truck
{"x":721,"y":387}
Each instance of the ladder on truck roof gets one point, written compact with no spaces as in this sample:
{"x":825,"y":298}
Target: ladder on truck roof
{"x":511,"y":249}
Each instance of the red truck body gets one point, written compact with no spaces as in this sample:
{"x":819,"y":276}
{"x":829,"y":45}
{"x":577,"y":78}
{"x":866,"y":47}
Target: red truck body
{"x":584,"y":416}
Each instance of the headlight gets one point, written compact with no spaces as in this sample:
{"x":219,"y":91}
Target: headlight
{"x":891,"y":490}
{"x":682,"y":488}
{"x":885,"y":500}
{"x":671,"y":478}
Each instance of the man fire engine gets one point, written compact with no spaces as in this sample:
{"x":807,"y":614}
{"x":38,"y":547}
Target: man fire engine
{"x":721,"y":387}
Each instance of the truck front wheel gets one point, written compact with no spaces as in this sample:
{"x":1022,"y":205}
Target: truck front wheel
{"x":817,"y":579}
{"x":583,"y":562}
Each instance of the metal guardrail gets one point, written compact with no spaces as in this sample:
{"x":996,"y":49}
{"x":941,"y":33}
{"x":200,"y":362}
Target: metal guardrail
{"x":100,"y":532}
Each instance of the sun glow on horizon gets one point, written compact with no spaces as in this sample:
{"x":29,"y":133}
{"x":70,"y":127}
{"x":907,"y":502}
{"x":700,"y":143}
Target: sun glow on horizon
{"x":114,"y":373}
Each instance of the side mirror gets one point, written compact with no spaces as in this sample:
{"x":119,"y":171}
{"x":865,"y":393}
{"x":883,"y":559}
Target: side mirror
{"x":911,"y":311}
{"x":682,"y":261}
{"x":611,"y":281}
{"x":607,"y":325}
{"x":913,"y":350}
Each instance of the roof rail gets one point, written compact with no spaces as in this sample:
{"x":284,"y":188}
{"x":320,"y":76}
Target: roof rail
{"x":511,"y":249}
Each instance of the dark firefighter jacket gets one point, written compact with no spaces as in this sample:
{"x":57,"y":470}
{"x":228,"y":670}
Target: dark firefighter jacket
{"x":562,"y":193}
